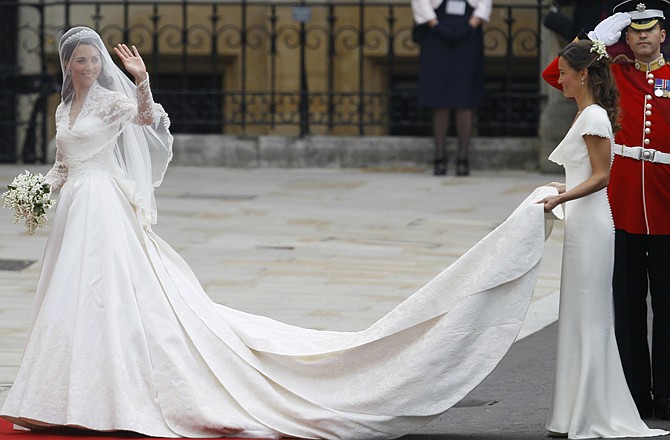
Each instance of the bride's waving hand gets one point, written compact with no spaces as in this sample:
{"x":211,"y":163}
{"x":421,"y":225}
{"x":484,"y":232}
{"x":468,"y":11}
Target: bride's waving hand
{"x":132,"y":61}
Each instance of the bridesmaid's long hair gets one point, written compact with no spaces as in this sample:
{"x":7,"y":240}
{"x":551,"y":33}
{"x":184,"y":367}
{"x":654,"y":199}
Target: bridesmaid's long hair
{"x":579,"y":55}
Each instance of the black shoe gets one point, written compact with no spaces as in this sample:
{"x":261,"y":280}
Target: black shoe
{"x":462,"y":167}
{"x":662,"y":408}
{"x":644,"y":405}
{"x":440,"y":166}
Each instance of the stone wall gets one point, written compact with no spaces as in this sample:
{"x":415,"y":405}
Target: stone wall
{"x":384,"y":152}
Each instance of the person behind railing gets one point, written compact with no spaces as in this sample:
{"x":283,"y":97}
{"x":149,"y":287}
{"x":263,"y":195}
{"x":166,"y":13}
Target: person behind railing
{"x":451,"y":70}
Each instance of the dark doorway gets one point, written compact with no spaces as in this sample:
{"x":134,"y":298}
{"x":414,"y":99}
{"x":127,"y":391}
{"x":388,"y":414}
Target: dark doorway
{"x":8,"y":73}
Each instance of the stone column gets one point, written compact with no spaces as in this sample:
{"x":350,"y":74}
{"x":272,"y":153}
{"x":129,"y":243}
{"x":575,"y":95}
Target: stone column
{"x":557,"y":111}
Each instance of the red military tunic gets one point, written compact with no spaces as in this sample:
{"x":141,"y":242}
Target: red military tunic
{"x":639,"y":191}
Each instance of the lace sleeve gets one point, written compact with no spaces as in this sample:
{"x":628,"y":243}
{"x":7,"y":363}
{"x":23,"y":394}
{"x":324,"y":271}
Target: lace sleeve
{"x":57,"y":175}
{"x":144,"y":148}
{"x":145,"y":104}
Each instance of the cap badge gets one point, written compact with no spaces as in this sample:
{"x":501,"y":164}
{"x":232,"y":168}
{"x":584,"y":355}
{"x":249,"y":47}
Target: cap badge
{"x":641,"y":7}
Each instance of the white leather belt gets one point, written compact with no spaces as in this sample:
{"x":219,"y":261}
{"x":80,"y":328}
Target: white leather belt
{"x":639,"y":153}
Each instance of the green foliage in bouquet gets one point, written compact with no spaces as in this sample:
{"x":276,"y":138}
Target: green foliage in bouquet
{"x":30,"y":197}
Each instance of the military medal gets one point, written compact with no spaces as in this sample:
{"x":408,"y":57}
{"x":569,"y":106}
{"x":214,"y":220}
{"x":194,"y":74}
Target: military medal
{"x":660,"y":88}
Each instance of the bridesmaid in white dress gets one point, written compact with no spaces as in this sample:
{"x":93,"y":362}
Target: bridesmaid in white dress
{"x":590,"y":396}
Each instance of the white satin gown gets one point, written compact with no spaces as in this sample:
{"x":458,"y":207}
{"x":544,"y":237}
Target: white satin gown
{"x":590,"y":395}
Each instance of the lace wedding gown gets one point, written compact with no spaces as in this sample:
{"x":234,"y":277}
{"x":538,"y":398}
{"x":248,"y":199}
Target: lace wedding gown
{"x":590,"y":395}
{"x":123,"y":337}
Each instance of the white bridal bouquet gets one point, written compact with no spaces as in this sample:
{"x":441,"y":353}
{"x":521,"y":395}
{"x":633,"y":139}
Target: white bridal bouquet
{"x":30,"y":197}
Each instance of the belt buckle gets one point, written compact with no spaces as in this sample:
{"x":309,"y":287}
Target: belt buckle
{"x":647,"y":154}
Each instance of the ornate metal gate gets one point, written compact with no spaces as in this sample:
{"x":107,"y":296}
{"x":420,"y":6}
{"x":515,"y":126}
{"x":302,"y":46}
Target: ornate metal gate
{"x":258,"y":67}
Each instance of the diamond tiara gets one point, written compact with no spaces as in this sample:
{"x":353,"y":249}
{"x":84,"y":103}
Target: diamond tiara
{"x":84,"y":33}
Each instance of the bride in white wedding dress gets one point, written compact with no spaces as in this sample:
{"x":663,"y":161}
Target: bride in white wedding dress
{"x":123,"y":337}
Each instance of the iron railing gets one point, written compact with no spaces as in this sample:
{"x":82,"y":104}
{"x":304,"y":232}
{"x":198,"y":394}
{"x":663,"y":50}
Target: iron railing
{"x":258,"y":67}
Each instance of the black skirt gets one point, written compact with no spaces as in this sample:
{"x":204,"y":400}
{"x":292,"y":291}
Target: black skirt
{"x":451,"y":71}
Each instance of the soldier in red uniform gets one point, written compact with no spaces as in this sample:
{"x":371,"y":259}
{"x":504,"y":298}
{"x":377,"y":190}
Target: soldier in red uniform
{"x":639,"y":192}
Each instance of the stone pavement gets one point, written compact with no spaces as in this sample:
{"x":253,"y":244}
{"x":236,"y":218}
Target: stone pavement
{"x":331,"y":249}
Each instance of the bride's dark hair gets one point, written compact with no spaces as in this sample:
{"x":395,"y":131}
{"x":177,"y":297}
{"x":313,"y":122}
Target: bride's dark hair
{"x":585,"y":54}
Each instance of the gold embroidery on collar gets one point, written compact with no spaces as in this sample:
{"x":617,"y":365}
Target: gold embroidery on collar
{"x":650,"y":67}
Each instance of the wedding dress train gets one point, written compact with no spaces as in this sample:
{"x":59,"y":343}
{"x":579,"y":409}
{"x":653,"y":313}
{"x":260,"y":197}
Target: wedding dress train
{"x":124,"y":338}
